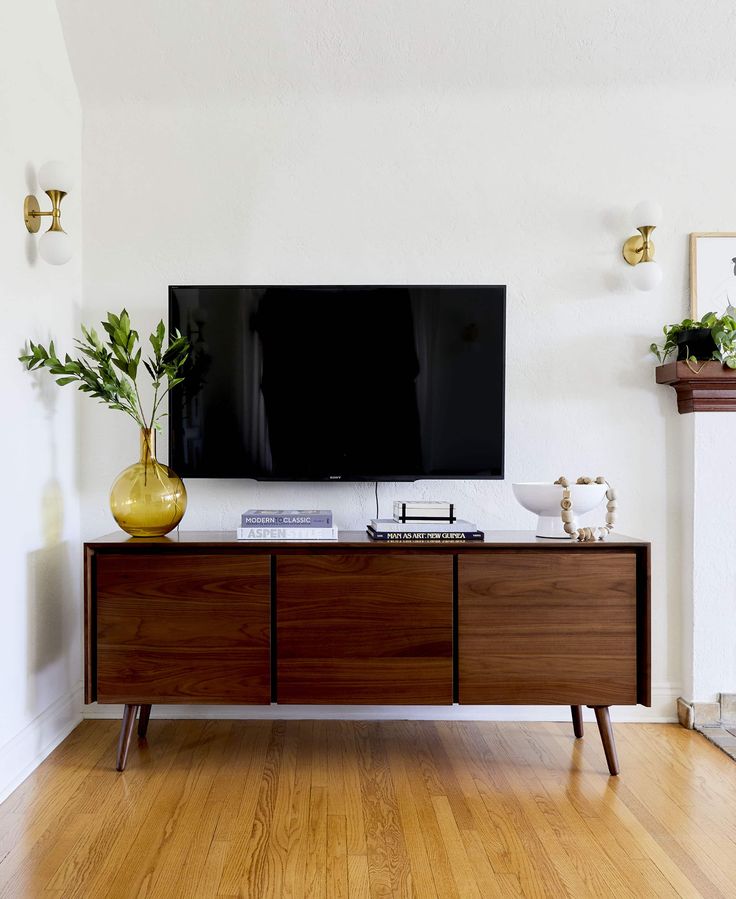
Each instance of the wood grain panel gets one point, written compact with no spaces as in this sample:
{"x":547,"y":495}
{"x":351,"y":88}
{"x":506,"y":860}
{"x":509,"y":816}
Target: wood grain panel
{"x":192,"y":628}
{"x":356,"y":628}
{"x":542,"y":628}
{"x":90,"y":626}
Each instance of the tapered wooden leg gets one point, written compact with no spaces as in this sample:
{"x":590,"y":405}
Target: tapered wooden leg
{"x":609,"y":743}
{"x":126,"y":732}
{"x":577,"y":720}
{"x":143,"y":717}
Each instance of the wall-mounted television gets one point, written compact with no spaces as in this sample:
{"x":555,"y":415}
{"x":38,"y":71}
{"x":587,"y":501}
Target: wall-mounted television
{"x":328,"y":383}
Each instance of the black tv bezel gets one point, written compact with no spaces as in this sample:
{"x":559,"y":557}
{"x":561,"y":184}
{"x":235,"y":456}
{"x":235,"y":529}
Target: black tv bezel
{"x":355,"y":479}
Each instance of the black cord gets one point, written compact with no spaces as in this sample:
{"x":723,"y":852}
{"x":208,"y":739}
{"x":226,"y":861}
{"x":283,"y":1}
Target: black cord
{"x":377,"y":515}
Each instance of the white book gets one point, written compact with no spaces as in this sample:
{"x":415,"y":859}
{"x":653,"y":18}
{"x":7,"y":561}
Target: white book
{"x":429,"y":504}
{"x":287,"y":533}
{"x":388,"y":524}
{"x":423,"y":509}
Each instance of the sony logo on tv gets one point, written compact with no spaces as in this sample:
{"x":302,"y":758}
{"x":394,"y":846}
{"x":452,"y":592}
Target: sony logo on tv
{"x":335,"y":477}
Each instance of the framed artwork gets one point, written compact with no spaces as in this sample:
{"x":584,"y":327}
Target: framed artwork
{"x":712,"y":272}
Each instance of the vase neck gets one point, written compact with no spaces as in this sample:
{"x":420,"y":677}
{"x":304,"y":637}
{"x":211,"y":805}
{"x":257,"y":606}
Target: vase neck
{"x":148,"y":445}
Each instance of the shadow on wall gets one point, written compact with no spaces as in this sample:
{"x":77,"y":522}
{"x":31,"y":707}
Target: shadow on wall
{"x":51,"y":620}
{"x":31,"y":246}
{"x":51,"y":609}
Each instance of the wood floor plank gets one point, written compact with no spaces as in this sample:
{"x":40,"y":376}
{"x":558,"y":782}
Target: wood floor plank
{"x":337,"y":857}
{"x":462,"y":870}
{"x":336,"y":799}
{"x":642,"y":878}
{"x":600,"y":876}
{"x":358,"y":877}
{"x":186,"y":849}
{"x":236,"y":860}
{"x":132,"y":865}
{"x":712,"y":839}
{"x":621,"y":821}
{"x":525,"y":787}
{"x":202,"y":866}
{"x":352,"y":799}
{"x":720,"y":808}
{"x":264,"y":859}
{"x":526,"y":855}
{"x":276,"y":818}
{"x":230,"y":785}
{"x":483,"y":843}
{"x":299,"y":812}
{"x":288,"y":810}
{"x":49,"y":793}
{"x":419,"y":787}
{"x":104,"y":799}
{"x":88,"y":740}
{"x":315,"y":872}
{"x":409,"y":817}
{"x":489,"y":828}
{"x":444,"y":758}
{"x":390,"y":873}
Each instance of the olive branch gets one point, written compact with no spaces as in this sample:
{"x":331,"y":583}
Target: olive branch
{"x":108,"y":370}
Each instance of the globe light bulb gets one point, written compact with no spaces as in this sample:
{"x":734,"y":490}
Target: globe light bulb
{"x":55,"y":175}
{"x":55,"y":247}
{"x":646,"y":275}
{"x":647,"y":213}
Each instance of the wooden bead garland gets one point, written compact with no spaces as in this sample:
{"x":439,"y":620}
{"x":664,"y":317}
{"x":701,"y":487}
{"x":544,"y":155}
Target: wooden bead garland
{"x":585,"y":535}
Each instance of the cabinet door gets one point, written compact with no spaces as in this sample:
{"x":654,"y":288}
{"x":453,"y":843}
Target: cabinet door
{"x":183,"y":628}
{"x":548,"y":627}
{"x":365,"y":629}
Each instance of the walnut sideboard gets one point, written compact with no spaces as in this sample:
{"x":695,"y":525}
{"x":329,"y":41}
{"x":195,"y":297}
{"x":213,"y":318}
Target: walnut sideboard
{"x":516,"y":619}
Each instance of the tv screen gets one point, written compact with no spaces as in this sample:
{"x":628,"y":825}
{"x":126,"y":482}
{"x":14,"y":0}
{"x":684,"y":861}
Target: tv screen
{"x":339,"y":383}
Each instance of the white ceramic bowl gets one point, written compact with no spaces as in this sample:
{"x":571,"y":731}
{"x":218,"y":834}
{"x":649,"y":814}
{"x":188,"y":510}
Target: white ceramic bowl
{"x":543,"y":499}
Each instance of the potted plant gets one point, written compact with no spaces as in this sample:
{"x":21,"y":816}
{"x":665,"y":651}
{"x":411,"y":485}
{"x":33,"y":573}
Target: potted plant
{"x":711,"y":338}
{"x":148,"y":499}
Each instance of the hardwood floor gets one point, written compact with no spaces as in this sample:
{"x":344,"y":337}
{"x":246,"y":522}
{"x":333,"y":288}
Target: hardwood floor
{"x":373,"y":809}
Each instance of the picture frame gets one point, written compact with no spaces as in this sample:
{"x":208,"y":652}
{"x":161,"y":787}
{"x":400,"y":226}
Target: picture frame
{"x":712,"y":272}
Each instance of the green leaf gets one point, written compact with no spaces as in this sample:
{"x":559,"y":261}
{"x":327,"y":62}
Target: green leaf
{"x":108,"y":371}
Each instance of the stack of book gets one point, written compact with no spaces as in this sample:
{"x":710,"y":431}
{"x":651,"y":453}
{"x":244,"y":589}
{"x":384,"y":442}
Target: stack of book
{"x":287,"y":524}
{"x":423,"y":521}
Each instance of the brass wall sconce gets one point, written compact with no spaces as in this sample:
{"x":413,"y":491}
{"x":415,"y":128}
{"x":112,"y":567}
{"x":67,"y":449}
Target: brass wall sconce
{"x":55,"y":246}
{"x":638,"y":250}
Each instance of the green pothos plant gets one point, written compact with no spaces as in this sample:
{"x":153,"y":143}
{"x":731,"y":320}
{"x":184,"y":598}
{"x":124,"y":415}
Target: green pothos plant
{"x":108,"y":369}
{"x":722,"y":332}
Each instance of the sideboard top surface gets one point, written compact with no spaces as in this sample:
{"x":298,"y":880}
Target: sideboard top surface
{"x":353,"y":540}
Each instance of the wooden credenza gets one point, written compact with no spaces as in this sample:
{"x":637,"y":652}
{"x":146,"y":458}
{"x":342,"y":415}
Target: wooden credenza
{"x":203,"y":618}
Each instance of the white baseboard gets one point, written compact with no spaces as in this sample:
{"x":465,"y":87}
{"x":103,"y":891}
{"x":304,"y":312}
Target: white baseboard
{"x":24,"y":752}
{"x":664,"y":709}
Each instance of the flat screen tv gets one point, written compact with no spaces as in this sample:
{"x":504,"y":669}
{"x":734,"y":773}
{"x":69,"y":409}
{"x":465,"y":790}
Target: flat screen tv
{"x":375,"y":383}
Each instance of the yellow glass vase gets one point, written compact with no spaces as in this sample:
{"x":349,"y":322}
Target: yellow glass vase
{"x":148,"y":499}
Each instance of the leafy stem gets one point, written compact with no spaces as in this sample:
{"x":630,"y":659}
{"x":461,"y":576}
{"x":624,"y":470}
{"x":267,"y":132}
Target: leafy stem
{"x":108,"y":370}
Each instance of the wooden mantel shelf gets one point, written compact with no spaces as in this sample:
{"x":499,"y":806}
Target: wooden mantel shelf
{"x":710,"y":387}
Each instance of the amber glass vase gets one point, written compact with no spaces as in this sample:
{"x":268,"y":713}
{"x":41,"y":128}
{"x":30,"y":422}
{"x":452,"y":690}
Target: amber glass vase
{"x":148,"y":499}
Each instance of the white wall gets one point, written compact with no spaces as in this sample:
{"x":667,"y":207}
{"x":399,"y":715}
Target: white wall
{"x":436,"y":142}
{"x":713,"y":630}
{"x":40,"y":612}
